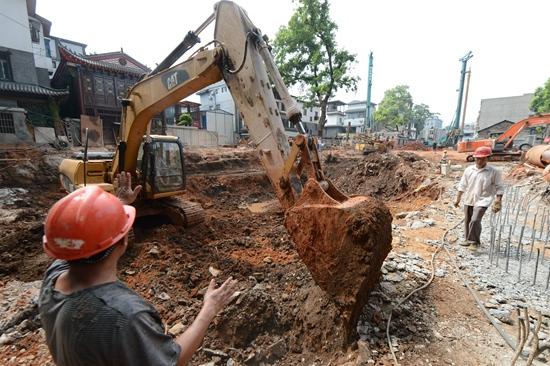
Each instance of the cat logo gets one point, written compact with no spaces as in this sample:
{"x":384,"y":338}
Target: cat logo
{"x":174,"y":78}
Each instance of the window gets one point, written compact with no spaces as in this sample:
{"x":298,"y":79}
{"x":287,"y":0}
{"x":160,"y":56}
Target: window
{"x":35,"y":31}
{"x":98,"y":84}
{"x":48,"y":49}
{"x":5,"y":67}
{"x":6,"y":123}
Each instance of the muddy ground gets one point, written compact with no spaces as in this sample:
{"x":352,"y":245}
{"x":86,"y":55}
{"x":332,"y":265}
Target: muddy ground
{"x":281,"y":317}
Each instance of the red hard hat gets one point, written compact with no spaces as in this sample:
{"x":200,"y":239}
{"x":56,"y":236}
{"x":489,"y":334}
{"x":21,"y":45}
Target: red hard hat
{"x":483,"y":152}
{"x":84,"y":223}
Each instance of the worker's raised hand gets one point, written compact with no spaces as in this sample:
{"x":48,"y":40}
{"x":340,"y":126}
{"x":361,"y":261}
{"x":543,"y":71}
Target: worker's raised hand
{"x":123,"y":188}
{"x":215,"y":299}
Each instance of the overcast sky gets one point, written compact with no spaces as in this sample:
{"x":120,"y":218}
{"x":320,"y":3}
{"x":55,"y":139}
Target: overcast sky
{"x":416,"y":43}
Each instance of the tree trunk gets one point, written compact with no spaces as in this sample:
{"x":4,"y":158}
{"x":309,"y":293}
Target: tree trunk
{"x":322,"y":117}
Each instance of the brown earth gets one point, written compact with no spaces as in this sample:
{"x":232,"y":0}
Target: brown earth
{"x":281,"y":316}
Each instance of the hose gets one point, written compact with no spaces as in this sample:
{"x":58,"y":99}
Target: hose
{"x":493,"y":321}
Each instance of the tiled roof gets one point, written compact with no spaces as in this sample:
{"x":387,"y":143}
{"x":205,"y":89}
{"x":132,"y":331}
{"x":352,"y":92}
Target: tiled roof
{"x":13,"y":87}
{"x":77,"y":59}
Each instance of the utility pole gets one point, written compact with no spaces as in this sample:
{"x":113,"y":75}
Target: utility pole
{"x":465,"y":101}
{"x":368,"y":117}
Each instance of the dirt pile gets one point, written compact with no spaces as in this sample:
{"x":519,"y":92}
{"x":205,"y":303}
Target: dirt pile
{"x":385,"y":176}
{"x":28,"y":177}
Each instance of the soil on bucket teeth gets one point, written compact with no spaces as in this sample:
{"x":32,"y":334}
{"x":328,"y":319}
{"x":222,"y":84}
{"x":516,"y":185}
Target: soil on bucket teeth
{"x":280,"y":316}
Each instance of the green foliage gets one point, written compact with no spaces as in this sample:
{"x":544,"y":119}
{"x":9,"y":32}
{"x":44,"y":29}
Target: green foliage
{"x":395,"y":109}
{"x":420,"y":113}
{"x":185,"y":119}
{"x":307,"y":55}
{"x":541,"y":100}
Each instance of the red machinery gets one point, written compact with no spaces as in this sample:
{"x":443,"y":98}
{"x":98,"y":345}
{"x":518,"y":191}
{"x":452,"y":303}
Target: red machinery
{"x":502,"y":146}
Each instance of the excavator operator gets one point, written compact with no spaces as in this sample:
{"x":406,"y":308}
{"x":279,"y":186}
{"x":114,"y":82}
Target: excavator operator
{"x":89,"y":316}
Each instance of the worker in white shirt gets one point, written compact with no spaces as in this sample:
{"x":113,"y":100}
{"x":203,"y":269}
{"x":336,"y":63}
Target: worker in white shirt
{"x":479,"y":184}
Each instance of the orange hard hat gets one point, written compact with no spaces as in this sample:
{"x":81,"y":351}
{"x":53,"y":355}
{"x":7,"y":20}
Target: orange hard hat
{"x":483,"y":152}
{"x":84,"y":223}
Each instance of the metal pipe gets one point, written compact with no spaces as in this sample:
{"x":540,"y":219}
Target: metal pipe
{"x":538,"y":155}
{"x":536,"y":267}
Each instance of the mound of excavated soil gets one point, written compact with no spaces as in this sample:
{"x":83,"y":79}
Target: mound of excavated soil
{"x":385,"y":176}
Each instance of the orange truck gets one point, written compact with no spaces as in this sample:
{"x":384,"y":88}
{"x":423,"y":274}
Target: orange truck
{"x":502,"y":145}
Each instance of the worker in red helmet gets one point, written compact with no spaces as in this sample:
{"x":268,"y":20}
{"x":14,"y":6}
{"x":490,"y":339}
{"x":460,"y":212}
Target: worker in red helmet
{"x":89,"y":316}
{"x":479,"y":184}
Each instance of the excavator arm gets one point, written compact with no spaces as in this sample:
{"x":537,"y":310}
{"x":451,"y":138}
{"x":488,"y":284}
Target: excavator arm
{"x":510,"y":134}
{"x":342,"y":240}
{"x":156,"y":93}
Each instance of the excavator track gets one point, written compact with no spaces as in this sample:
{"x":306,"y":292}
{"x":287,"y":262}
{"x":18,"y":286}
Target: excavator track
{"x":178,"y":211}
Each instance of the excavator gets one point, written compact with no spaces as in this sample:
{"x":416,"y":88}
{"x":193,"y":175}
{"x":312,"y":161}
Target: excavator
{"x":502,"y":145}
{"x":342,"y":240}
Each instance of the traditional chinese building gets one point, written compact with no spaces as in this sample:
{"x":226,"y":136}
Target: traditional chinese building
{"x":97,"y":83}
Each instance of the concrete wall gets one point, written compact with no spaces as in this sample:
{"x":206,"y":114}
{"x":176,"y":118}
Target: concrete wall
{"x":22,"y":66}
{"x":191,"y":136}
{"x":14,"y":26}
{"x":22,"y":133}
{"x":43,"y":77}
{"x":222,"y":125}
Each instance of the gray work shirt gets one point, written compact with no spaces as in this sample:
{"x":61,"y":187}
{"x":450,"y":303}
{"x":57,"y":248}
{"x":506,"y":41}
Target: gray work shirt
{"x":108,"y":324}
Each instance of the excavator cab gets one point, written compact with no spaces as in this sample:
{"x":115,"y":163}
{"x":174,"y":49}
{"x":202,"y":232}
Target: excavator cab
{"x":160,"y":166}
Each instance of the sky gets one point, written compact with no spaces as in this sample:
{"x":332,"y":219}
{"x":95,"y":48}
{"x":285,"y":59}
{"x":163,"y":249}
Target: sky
{"x":415,"y":43}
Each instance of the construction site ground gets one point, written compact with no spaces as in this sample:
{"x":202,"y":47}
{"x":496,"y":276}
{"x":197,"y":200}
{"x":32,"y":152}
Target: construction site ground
{"x":280,"y":316}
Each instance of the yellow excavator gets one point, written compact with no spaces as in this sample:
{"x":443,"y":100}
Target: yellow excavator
{"x":342,"y":240}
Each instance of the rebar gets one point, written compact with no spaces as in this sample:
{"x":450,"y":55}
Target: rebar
{"x":544,"y":249}
{"x":548,"y":278}
{"x":520,"y":241}
{"x":536,"y":267}
{"x":498,"y":245}
{"x":508,"y":248}
{"x":520,"y":264}
{"x":491,"y":245}
{"x":533,"y":234}
{"x":543,"y":222}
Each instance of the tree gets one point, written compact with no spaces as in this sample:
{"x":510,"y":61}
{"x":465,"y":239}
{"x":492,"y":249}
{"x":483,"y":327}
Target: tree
{"x":185,"y":119}
{"x":395,"y":109}
{"x":307,"y":55}
{"x":420,"y":113}
{"x":541,"y":100}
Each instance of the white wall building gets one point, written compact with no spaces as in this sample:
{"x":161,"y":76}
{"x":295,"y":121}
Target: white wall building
{"x":14,"y":17}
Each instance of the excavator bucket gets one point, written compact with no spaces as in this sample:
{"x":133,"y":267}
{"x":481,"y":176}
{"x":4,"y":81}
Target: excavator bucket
{"x":343,"y":241}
